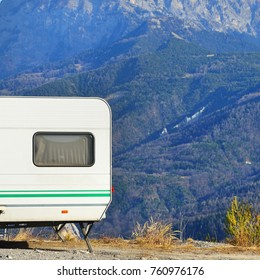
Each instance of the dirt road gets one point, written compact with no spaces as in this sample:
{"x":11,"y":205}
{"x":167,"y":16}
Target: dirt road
{"x":56,"y":250}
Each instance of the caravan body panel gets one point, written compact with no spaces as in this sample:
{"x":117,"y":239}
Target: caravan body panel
{"x":66,"y":175}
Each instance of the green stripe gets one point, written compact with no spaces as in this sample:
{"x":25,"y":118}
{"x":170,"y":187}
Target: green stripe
{"x":53,"y":193}
{"x":50,"y":191}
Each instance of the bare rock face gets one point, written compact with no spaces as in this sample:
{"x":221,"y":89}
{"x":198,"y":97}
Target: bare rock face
{"x":36,"y":32}
{"x":218,"y":15}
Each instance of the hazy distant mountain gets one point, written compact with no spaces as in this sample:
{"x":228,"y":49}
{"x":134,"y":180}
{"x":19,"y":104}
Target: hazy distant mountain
{"x":35,"y":32}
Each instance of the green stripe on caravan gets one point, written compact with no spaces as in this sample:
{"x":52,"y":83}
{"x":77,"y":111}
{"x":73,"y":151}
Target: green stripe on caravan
{"x":54,"y":193}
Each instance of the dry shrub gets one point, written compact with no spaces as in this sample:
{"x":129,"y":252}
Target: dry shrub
{"x":69,"y":236}
{"x":154,"y":233}
{"x":23,"y":234}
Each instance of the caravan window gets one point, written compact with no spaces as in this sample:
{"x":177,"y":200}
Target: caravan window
{"x":63,"y":149}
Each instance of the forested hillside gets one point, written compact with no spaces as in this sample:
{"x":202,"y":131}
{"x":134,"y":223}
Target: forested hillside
{"x":185,"y":134}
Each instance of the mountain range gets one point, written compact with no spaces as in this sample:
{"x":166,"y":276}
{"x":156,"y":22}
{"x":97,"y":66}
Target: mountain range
{"x":33,"y":33}
{"x":183,"y":80}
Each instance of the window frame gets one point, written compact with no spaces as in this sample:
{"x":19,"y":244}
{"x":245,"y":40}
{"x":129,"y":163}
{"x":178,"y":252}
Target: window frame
{"x":65,"y":133}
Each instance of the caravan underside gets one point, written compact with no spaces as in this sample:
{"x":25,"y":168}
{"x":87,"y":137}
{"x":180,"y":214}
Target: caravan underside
{"x":56,"y":225}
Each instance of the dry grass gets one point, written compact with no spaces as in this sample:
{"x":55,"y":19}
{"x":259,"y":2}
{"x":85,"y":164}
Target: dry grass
{"x":110,"y":241}
{"x":23,"y":235}
{"x":69,"y":236}
{"x":139,"y":247}
{"x":149,"y":236}
{"x":180,"y":247}
{"x":154,"y":233}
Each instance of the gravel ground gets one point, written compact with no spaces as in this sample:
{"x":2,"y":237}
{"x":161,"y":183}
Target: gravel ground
{"x":67,"y":251}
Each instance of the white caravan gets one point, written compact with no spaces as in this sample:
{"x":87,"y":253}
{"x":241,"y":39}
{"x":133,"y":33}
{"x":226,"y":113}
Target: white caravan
{"x":55,"y":162}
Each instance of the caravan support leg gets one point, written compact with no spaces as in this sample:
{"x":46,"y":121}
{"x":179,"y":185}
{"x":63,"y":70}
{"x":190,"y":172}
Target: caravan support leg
{"x":57,"y":229}
{"x":86,"y":227}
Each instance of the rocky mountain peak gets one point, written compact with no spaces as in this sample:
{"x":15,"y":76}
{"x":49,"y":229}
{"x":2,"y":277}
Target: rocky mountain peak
{"x":33,"y":32}
{"x":219,"y":15}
